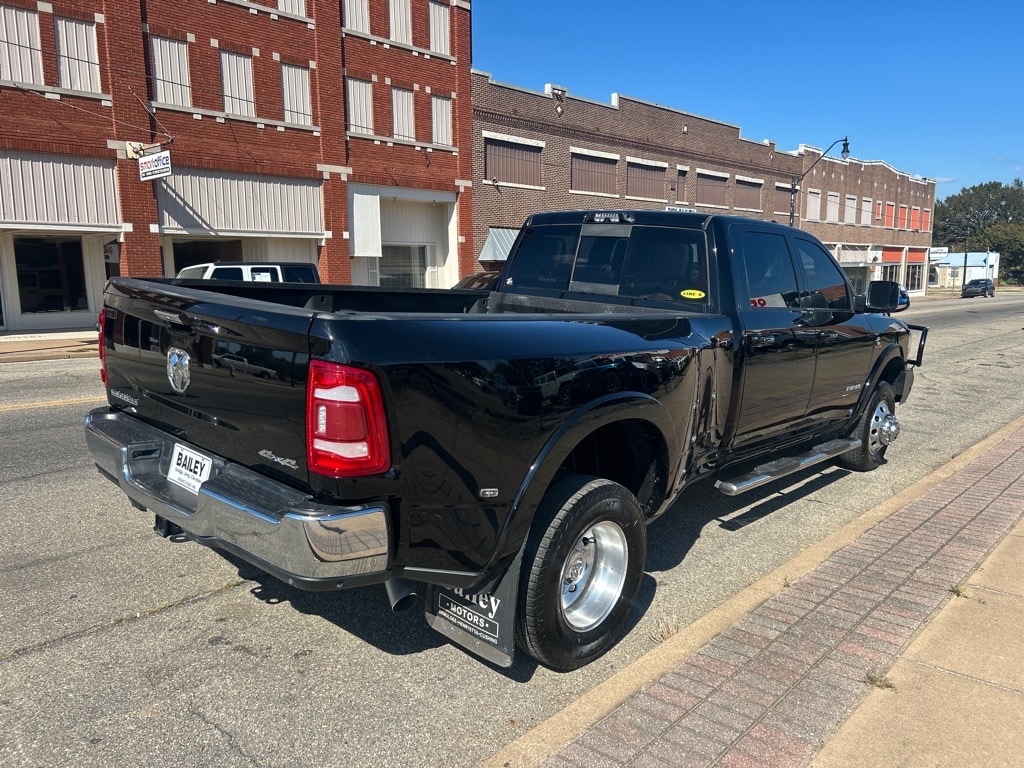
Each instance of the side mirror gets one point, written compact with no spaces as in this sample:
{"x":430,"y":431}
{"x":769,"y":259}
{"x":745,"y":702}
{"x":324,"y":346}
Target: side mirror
{"x":883,"y":296}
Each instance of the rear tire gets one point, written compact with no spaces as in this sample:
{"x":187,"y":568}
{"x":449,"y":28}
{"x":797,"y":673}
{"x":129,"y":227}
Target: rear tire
{"x":581,"y":570}
{"x":870,"y":431}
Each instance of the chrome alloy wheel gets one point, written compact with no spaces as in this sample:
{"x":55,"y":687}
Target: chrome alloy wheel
{"x":885,"y":428}
{"x":593,"y":575}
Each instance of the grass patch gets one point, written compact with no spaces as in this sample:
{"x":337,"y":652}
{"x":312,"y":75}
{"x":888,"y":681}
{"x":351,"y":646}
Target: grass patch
{"x":958,"y":591}
{"x":664,"y":628}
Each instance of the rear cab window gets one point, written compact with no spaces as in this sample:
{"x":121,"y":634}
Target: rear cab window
{"x":664,"y":265}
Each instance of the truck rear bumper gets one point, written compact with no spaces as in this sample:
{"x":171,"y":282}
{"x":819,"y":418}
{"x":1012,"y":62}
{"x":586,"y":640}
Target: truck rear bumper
{"x":270,"y":524}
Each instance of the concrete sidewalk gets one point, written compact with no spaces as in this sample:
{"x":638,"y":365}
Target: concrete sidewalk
{"x":48,"y":345}
{"x":900,"y":645}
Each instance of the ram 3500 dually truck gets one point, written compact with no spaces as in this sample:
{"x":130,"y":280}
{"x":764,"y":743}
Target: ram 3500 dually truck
{"x":505,"y":448}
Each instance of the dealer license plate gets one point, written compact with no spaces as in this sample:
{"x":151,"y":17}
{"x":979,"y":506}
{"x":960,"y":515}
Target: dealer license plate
{"x":189,"y":469}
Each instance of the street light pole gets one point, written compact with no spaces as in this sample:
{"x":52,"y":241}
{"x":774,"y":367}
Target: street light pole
{"x":845,"y":154}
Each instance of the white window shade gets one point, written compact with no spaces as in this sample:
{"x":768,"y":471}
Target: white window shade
{"x":357,"y":16}
{"x":170,"y":72}
{"x":76,"y":55}
{"x":401,"y":21}
{"x":360,"y":106}
{"x":366,"y":240}
{"x":402,"y":114}
{"x":441,"y":117}
{"x":21,"y":59}
{"x":295,"y":81}
{"x":236,"y":77}
{"x":440,"y":41}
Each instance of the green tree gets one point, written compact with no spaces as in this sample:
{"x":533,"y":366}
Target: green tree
{"x":1007,"y":239}
{"x":987,"y":216}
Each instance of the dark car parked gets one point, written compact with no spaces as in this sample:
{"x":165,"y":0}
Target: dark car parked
{"x":480,"y":281}
{"x":980,"y":287}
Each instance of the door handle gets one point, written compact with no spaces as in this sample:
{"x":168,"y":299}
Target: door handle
{"x":828,"y":334}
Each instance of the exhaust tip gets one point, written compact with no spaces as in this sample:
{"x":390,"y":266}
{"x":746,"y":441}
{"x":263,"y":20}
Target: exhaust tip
{"x":400,"y":593}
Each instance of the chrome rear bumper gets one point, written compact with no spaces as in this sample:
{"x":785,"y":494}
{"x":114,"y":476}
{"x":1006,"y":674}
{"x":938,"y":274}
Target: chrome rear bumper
{"x":268,"y":523}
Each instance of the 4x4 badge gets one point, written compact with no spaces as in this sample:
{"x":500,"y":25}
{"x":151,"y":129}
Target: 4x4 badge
{"x":179,"y":372}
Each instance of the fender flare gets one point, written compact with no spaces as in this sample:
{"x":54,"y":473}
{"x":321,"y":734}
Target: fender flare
{"x":892,"y":352}
{"x":619,"y":406}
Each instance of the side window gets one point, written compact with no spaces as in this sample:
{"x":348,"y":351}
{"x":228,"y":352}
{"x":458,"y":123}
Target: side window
{"x":227,"y":273}
{"x":824,"y":280}
{"x":264,"y":274}
{"x":771,"y":282}
{"x":544,"y":257}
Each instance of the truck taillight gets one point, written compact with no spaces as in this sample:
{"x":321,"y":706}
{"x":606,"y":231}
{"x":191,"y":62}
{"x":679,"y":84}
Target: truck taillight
{"x":346,"y":429}
{"x":100,"y":326}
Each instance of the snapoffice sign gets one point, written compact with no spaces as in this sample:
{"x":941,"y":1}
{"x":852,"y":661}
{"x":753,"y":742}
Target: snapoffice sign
{"x":155,"y":166}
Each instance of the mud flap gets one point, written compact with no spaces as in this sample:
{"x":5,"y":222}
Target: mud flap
{"x":484,"y":623}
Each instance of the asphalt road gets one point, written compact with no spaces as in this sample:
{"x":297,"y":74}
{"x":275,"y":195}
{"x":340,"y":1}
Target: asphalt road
{"x":118,"y":648}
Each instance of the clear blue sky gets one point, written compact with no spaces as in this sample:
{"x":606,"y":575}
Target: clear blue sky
{"x":933,"y":89}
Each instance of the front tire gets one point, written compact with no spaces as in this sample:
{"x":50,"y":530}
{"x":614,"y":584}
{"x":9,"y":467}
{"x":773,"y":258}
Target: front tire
{"x":874,"y":430}
{"x":581,"y":570}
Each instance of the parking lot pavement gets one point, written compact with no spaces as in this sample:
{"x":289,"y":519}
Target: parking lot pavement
{"x":900,"y":647}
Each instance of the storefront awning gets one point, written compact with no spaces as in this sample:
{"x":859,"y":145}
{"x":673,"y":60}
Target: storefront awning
{"x":498,"y":244}
{"x":198,"y":202}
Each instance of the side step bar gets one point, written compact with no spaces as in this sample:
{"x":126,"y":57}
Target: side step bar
{"x":773,"y":470}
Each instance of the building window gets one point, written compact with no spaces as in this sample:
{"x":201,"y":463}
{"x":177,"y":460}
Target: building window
{"x":645,"y":181}
{"x":439,"y":25}
{"x":512,"y":162}
{"x":914,"y":277}
{"x":878,"y":211}
{"x":832,"y":207}
{"x":915,"y":218}
{"x":850,"y":210}
{"x":403,"y":123}
{"x":783,"y":198}
{"x":21,"y":59}
{"x":813,"y":204}
{"x":712,"y":190}
{"x":890,"y":215}
{"x":891,"y":272}
{"x":236,"y":77}
{"x":926,"y":220}
{"x":360,"y":106}
{"x":77,"y":58}
{"x":171,"y":83}
{"x":903,"y":217}
{"x":295,"y":85}
{"x":441,"y":120}
{"x":748,"y":194}
{"x":403,"y":266}
{"x":51,"y":274}
{"x":357,"y":16}
{"x":401,"y":21}
{"x":298,"y":7}
{"x":589,"y":173}
{"x":865,"y":212}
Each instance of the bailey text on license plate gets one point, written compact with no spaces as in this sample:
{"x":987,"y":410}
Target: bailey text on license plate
{"x":188,"y":468}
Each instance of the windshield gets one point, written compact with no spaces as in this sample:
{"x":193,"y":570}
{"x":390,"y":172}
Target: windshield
{"x":664,"y":264}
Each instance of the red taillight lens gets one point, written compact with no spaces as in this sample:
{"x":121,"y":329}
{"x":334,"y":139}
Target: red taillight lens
{"x":101,"y":325}
{"x":346,"y":429}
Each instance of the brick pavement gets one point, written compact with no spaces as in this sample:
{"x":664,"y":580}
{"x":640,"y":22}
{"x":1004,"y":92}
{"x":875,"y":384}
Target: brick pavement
{"x":772,"y":688}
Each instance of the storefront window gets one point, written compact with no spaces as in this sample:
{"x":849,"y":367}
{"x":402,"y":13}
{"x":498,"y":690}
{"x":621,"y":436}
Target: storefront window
{"x":51,"y":274}
{"x":403,"y":266}
{"x":914,"y":274}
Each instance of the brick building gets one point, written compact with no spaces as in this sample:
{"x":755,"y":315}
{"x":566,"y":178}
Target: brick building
{"x":535,"y":151}
{"x":298,"y":130}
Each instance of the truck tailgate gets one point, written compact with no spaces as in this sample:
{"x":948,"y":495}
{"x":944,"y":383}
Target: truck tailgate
{"x":228,"y":377}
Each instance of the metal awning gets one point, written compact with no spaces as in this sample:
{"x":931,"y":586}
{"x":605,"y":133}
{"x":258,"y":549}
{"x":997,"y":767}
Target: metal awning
{"x":498,"y":244}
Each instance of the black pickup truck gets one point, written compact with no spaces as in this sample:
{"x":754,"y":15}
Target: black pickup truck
{"x":504,"y":448}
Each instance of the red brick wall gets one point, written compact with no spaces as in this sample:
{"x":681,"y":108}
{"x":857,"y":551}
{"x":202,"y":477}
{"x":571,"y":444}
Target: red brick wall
{"x":83,"y":126}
